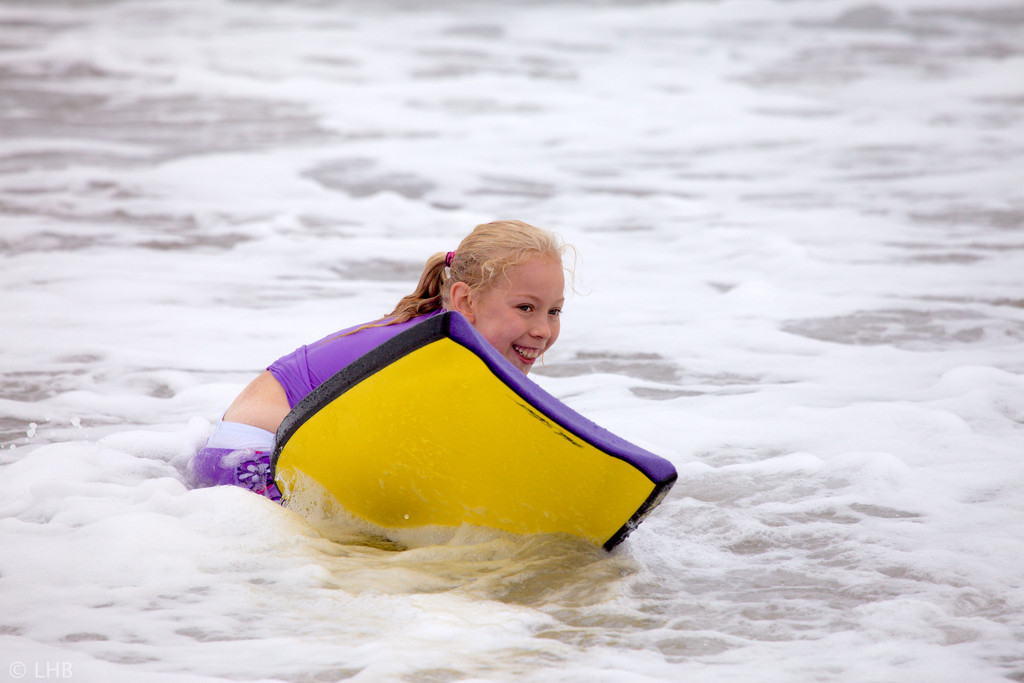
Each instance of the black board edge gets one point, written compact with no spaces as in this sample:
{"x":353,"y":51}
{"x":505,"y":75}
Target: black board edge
{"x":661,"y":490}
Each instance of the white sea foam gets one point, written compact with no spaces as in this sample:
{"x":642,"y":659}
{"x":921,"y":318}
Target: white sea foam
{"x":800,"y":226}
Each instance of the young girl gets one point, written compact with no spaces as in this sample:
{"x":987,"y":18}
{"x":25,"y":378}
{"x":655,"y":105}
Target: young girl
{"x":505,"y":277}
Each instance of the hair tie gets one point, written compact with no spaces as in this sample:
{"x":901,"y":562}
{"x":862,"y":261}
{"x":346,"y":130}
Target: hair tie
{"x":448,"y":259}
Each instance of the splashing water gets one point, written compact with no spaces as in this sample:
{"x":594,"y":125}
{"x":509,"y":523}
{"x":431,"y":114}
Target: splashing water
{"x":801,"y":229}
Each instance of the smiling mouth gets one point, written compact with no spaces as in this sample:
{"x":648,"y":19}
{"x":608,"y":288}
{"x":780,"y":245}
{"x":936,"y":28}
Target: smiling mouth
{"x":528,"y":355}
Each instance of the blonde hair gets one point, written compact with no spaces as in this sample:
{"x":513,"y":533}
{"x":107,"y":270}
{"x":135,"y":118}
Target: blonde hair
{"x":480,"y":259}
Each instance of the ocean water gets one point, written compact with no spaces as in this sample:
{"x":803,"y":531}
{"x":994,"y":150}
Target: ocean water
{"x":801,"y":229}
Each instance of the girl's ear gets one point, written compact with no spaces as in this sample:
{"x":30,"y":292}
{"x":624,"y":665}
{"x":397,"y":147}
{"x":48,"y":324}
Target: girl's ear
{"x":462,"y":300}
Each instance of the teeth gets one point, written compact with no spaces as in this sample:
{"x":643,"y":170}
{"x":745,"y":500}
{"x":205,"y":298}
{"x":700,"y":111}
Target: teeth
{"x":527,"y":353}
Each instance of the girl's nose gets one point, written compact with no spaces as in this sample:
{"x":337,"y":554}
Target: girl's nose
{"x":541,"y":329}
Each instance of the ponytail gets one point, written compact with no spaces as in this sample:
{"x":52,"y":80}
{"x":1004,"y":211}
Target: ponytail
{"x":427,"y":297}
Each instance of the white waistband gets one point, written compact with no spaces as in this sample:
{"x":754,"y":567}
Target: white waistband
{"x":235,"y":435}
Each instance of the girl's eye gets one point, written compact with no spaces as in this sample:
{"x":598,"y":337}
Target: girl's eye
{"x":526,"y":308}
{"x":555,"y":312}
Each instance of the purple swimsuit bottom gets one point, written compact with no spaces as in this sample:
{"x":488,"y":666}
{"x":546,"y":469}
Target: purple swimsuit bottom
{"x":238,"y":454}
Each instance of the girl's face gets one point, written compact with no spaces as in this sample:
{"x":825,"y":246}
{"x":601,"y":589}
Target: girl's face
{"x":519,"y":316}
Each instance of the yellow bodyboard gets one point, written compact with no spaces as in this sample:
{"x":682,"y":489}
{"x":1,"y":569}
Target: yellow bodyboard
{"x":428,"y":432}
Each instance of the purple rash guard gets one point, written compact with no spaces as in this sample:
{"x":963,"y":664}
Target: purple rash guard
{"x":307,"y":367}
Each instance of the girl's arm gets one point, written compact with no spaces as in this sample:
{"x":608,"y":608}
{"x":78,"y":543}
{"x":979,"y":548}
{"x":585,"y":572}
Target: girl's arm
{"x":262,"y":404}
